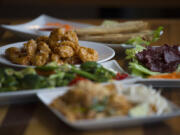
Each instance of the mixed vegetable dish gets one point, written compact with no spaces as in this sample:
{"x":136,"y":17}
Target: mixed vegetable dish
{"x":53,"y":75}
{"x":153,"y":61}
{"x":89,"y":100}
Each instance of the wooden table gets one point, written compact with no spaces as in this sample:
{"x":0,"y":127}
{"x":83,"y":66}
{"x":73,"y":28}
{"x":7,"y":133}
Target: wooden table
{"x":35,"y":119}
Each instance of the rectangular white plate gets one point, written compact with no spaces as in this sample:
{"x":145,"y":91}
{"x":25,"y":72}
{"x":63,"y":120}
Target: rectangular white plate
{"x":48,"y":97}
{"x":166,"y":83}
{"x":29,"y":95}
{"x":30,"y":29}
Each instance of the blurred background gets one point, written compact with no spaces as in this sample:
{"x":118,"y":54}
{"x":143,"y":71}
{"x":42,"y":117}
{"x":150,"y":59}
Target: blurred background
{"x":83,"y":9}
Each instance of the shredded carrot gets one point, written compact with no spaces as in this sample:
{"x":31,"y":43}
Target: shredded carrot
{"x":174,"y":75}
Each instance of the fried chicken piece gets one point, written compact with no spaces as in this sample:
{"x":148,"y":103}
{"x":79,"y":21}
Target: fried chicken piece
{"x":23,"y":60}
{"x":56,"y":34}
{"x":88,"y":54}
{"x":43,"y":39}
{"x":64,"y":51}
{"x":73,"y":60}
{"x":70,"y":36}
{"x":30,"y":47}
{"x":56,"y":58}
{"x":53,"y":45}
{"x":74,"y":45}
{"x":40,"y":59}
{"x":43,"y":47}
{"x":14,"y":54}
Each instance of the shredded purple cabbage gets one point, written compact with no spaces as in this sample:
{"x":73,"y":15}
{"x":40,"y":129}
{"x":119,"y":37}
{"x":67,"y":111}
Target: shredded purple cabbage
{"x":160,"y":59}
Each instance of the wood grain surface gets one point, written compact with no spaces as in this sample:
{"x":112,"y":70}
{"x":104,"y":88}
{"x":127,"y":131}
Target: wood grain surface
{"x":35,"y":119}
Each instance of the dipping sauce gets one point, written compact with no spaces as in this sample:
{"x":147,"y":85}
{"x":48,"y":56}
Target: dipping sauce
{"x":55,"y":25}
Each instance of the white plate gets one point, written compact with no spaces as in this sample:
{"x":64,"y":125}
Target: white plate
{"x":30,"y":29}
{"x":166,"y":83}
{"x":29,"y":95}
{"x":105,"y":52}
{"x":111,"y":122}
{"x":117,"y":46}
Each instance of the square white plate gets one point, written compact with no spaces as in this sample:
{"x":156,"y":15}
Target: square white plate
{"x":30,"y":29}
{"x":166,"y":83}
{"x":111,"y":122}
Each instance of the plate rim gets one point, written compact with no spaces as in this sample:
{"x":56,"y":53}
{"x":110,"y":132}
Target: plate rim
{"x":118,"y":119}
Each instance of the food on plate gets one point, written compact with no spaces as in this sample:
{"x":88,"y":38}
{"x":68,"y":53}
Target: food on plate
{"x":88,"y":100}
{"x":50,"y":26}
{"x":160,"y":59}
{"x":148,"y":61}
{"x":60,"y":46}
{"x":128,"y":26}
{"x":117,"y":38}
{"x":116,"y":32}
{"x":53,"y":75}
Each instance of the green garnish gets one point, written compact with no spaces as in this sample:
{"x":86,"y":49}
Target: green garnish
{"x":28,"y":78}
{"x":136,"y":68}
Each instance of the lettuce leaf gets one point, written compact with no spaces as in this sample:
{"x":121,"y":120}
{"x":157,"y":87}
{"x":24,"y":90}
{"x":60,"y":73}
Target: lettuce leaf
{"x":140,"y":41}
{"x":109,"y":23}
{"x":136,"y":68}
{"x":140,"y":70}
{"x":131,"y":53}
{"x":137,"y":41}
{"x":178,"y":69}
{"x":157,"y":33}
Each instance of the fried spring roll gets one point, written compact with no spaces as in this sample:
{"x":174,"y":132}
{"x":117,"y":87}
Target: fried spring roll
{"x":129,"y":26}
{"x":117,"y":38}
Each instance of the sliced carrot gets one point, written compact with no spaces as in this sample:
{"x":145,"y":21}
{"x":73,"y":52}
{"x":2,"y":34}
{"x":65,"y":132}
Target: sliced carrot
{"x":67,"y":27}
{"x":174,"y":75}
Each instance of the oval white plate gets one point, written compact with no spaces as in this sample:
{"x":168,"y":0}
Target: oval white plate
{"x":105,"y":53}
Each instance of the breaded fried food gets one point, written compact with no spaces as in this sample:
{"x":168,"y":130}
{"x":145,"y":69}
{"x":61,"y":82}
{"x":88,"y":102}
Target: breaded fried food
{"x":70,"y":36}
{"x":117,"y":38}
{"x":88,"y":54}
{"x":82,"y":102}
{"x":15,"y":55}
{"x":64,"y":51}
{"x":124,"y":27}
{"x":43,"y":47}
{"x":56,"y":58}
{"x":60,"y":47}
{"x":56,"y":34}
{"x":75,"y":46}
{"x":30,"y":47}
{"x":73,"y":60}
{"x":40,"y":59}
{"x":43,"y":39}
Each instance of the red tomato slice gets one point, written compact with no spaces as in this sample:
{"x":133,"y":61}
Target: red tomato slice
{"x":76,"y":80}
{"x":120,"y":76}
